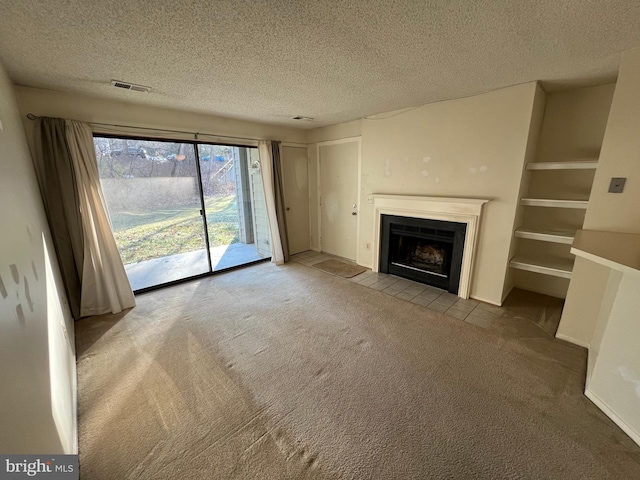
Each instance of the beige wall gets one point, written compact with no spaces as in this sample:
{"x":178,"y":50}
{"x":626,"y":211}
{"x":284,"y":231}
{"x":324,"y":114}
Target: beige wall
{"x":609,"y":211}
{"x":93,"y":109}
{"x":580,"y":314}
{"x":537,"y":115}
{"x":37,"y":397}
{"x":573,"y":128}
{"x":335,"y":132}
{"x":613,"y":373}
{"x":574,"y":124}
{"x":620,"y":156}
{"x":472,"y":147}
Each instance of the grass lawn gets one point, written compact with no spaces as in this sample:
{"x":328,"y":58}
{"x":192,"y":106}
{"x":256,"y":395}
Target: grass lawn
{"x":143,"y":236}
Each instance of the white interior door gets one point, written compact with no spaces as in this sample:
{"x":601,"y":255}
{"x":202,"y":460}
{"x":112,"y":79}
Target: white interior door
{"x":339,"y":198}
{"x":295,"y":175}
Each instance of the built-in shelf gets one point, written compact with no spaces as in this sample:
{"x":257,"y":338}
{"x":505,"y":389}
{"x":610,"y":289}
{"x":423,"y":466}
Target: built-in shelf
{"x":548,"y":202}
{"x":544,"y":260}
{"x":553,"y":236}
{"x":575,"y":165}
{"x":557,"y":267}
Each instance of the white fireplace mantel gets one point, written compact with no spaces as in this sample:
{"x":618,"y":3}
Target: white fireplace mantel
{"x":461,"y":210}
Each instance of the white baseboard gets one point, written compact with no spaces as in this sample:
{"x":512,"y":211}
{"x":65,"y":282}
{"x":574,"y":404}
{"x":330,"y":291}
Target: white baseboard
{"x":566,"y":338}
{"x":615,"y":418}
{"x":484,"y":300}
{"x":504,"y":297}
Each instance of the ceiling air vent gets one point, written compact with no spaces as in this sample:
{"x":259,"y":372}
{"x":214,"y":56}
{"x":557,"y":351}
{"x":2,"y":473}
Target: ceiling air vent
{"x":130,"y":86}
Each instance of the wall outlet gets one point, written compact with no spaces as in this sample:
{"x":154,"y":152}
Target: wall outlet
{"x":369,"y":198}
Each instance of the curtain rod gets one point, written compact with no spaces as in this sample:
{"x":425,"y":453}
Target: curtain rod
{"x":31,"y":116}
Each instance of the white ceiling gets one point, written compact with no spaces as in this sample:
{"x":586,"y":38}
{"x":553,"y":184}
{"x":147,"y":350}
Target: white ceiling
{"x":268,"y":60}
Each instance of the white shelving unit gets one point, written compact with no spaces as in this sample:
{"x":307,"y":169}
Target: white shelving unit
{"x":555,"y":203}
{"x":554,"y":236}
{"x":556,"y":267}
{"x":575,"y":165}
{"x":551,"y":265}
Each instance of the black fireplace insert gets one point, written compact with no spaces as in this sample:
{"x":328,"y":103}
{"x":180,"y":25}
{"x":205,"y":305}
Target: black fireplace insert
{"x":424,"y":250}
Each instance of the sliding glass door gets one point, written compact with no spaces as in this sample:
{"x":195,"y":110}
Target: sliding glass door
{"x":180,"y":210}
{"x":230,"y":188}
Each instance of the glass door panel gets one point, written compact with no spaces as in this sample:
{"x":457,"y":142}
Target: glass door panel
{"x":152,"y":193}
{"x":234,"y":205}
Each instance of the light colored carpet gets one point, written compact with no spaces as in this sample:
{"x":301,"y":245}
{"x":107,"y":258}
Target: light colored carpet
{"x":337,"y":267}
{"x":289,"y":373}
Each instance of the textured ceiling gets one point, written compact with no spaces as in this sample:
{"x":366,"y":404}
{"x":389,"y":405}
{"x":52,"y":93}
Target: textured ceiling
{"x":268,"y":60}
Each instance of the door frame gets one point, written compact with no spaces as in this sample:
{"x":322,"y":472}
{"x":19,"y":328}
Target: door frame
{"x":357,"y":140}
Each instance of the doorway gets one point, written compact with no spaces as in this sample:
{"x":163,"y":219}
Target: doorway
{"x":338,"y":164}
{"x":296,"y":197}
{"x":180,"y":209}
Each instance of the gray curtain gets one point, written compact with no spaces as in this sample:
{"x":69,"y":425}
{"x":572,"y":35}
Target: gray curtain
{"x":105,"y":286}
{"x":92,"y":271}
{"x":278,"y":184}
{"x":58,"y":187}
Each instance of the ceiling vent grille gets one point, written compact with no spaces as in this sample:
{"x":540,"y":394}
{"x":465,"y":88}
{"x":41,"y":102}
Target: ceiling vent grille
{"x":130,"y":86}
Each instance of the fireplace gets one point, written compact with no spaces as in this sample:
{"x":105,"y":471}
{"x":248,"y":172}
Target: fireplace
{"x":462,"y":211}
{"x":425,"y":250}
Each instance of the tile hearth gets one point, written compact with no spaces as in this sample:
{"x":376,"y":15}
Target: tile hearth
{"x":524,"y":314}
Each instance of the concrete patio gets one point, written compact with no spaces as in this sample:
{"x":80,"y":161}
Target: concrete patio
{"x":184,"y":265}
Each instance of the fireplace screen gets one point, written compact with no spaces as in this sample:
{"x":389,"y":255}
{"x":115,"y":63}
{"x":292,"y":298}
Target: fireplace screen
{"x":421,"y":254}
{"x":423,"y":250}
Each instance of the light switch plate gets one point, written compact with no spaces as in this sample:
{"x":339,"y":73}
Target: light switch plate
{"x":617,"y":184}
